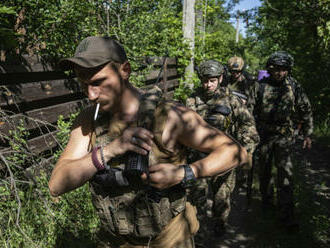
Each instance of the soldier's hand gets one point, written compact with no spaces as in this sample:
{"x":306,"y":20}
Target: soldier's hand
{"x":134,"y":139}
{"x":163,"y":176}
{"x":307,"y":143}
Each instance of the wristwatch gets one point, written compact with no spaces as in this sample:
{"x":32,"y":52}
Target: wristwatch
{"x":189,"y":178}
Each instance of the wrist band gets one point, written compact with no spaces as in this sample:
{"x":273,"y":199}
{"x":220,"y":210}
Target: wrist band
{"x":103,"y":159}
{"x":95,"y":160}
{"x":189,"y":178}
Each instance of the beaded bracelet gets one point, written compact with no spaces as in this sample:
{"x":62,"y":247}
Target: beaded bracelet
{"x":103,"y":159}
{"x":95,"y":160}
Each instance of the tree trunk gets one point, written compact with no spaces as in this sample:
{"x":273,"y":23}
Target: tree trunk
{"x":189,"y":34}
{"x":201,"y":6}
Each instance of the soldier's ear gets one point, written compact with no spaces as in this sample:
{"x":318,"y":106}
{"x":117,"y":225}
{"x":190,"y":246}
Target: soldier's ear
{"x":220,"y":79}
{"x":125,"y":70}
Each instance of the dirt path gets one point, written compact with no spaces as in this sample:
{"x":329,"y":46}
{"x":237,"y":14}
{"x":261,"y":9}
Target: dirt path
{"x":253,"y":227}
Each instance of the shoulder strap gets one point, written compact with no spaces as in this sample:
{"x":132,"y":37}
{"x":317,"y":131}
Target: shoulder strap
{"x":293,"y":85}
{"x":261,"y":90}
{"x":149,"y":102}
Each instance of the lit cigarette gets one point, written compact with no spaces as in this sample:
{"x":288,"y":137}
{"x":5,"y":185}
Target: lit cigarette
{"x":96,"y":111}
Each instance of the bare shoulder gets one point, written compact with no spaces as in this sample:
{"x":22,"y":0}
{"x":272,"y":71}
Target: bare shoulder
{"x":186,"y":127}
{"x":80,"y":135}
{"x":183,"y":116}
{"x":84,"y":120}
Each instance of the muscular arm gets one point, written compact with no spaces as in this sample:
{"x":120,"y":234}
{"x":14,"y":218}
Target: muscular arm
{"x":75,"y":166}
{"x":188,"y":128}
{"x":224,"y":152}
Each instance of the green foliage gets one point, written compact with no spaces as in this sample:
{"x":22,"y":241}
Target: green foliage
{"x":322,"y":129}
{"x":301,"y":28}
{"x":148,"y":28}
{"x":183,"y":92}
{"x":53,"y":28}
{"x":17,"y":142}
{"x":217,"y":39}
{"x":7,"y":33}
{"x":64,"y":128}
{"x":30,"y":217}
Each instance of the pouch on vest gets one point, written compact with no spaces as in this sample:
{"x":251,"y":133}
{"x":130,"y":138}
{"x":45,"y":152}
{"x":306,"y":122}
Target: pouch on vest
{"x":221,"y":109}
{"x":212,"y":119}
{"x":136,"y":165}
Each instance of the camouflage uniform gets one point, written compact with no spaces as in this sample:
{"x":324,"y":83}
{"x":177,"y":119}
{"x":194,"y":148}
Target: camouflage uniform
{"x":245,"y":83}
{"x":236,"y":121}
{"x":278,"y":108}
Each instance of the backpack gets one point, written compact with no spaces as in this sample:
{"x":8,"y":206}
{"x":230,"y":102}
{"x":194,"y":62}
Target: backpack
{"x":262,"y":85}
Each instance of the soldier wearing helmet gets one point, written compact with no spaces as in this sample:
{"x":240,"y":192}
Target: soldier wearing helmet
{"x":239,"y":81}
{"x":210,"y":73}
{"x":279,"y":65}
{"x":279,"y":106}
{"x":225,"y":111}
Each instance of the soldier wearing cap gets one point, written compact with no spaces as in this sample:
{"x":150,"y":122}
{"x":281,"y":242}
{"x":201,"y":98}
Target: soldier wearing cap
{"x":133,"y":153}
{"x":239,"y":81}
{"x":225,"y":111}
{"x":279,"y":106}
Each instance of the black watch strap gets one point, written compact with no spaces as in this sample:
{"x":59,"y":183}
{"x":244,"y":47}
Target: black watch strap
{"x":189,"y":178}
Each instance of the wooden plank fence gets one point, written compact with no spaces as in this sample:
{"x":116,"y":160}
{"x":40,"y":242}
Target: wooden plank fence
{"x":32,"y":93}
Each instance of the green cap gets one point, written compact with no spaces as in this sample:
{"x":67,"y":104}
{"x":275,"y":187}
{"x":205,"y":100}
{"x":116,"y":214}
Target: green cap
{"x":95,"y":51}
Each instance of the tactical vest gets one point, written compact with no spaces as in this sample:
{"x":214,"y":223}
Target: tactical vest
{"x":221,"y":117}
{"x":276,"y":108}
{"x":135,"y":215}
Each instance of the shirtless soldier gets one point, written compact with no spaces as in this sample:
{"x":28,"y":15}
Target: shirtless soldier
{"x":133,"y":153}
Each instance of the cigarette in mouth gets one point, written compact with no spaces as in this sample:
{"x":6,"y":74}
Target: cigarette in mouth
{"x":96,"y":111}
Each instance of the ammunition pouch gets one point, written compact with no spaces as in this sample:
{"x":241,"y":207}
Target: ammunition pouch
{"x":111,"y":178}
{"x":136,"y":165}
{"x":221,"y":109}
{"x":213,"y":118}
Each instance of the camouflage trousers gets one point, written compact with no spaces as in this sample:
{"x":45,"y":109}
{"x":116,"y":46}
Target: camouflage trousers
{"x":277,"y":151}
{"x":212,"y":197}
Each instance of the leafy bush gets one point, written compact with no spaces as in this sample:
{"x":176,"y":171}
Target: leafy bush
{"x":30,"y":217}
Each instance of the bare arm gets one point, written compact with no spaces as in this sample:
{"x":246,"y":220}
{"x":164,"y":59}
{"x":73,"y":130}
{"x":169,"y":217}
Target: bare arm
{"x":75,"y":166}
{"x":188,"y":128}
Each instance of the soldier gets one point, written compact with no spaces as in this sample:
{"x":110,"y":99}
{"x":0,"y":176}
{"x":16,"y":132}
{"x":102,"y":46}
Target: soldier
{"x":239,"y":81}
{"x":225,"y":111}
{"x":133,"y":153}
{"x":280,"y":104}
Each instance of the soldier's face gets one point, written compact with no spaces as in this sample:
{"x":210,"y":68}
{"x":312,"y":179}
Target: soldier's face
{"x":103,"y":87}
{"x":278,"y":73}
{"x":235,"y":74}
{"x":211,"y":84}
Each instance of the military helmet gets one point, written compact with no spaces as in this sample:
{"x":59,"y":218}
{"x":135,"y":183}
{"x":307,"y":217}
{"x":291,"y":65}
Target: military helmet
{"x":235,"y":64}
{"x":210,"y":68}
{"x":280,"y":58}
